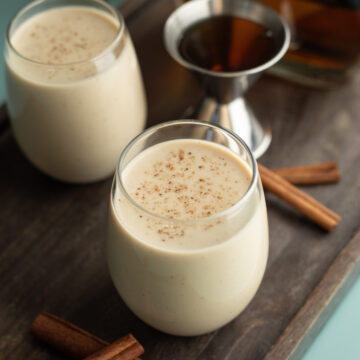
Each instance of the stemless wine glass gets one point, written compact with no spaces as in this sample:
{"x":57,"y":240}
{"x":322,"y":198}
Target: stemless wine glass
{"x":73,"y":119}
{"x":211,"y":267}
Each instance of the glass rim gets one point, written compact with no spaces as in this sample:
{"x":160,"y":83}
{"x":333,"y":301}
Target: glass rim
{"x":175,"y":54}
{"x":115,"y":13}
{"x":120,"y":166}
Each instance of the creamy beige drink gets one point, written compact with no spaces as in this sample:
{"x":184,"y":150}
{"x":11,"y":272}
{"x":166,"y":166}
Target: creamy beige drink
{"x":188,"y":251}
{"x":75,"y":93}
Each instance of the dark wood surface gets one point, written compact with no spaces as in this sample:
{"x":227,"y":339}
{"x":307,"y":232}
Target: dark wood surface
{"x":52,"y":234}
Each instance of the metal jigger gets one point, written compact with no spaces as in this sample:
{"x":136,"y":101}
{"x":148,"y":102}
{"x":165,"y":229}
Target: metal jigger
{"x":224,"y":104}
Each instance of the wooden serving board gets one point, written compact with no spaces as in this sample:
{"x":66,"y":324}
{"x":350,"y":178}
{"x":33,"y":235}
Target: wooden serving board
{"x":52,"y":234}
{"x":320,"y":305}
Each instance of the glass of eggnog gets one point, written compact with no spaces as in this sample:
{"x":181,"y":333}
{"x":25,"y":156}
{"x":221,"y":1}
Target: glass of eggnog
{"x":74,"y":89}
{"x":187,"y":240}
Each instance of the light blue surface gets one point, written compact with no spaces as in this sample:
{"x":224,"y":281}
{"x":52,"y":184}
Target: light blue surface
{"x":340,"y":338}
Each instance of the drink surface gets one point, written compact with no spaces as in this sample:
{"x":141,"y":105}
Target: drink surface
{"x":227,"y":43}
{"x":187,"y":179}
{"x":65,"y":35}
{"x":184,"y":180}
{"x":64,"y":40}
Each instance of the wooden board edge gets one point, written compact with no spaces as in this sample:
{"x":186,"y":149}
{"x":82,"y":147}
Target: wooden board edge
{"x":319,"y":306}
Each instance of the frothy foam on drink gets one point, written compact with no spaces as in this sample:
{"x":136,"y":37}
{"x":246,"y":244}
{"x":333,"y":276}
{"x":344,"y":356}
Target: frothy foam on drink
{"x":65,"y":35}
{"x":187,"y":179}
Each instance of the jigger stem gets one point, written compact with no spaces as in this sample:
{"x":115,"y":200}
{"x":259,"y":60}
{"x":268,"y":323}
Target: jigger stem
{"x":238,"y":117}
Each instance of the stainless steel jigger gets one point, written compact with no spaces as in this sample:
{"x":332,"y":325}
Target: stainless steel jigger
{"x":224,"y":104}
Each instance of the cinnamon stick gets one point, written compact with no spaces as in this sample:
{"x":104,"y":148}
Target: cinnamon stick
{"x":321,"y":173}
{"x":79,"y":344}
{"x":311,"y":178}
{"x":324,"y":166}
{"x":304,"y":203}
{"x":126,"y":347}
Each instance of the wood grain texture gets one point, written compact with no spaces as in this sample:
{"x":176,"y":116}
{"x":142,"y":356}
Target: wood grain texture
{"x":131,"y":7}
{"x":52,"y":234}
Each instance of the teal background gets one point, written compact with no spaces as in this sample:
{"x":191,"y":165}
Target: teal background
{"x":7,"y":10}
{"x":340,"y":337}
